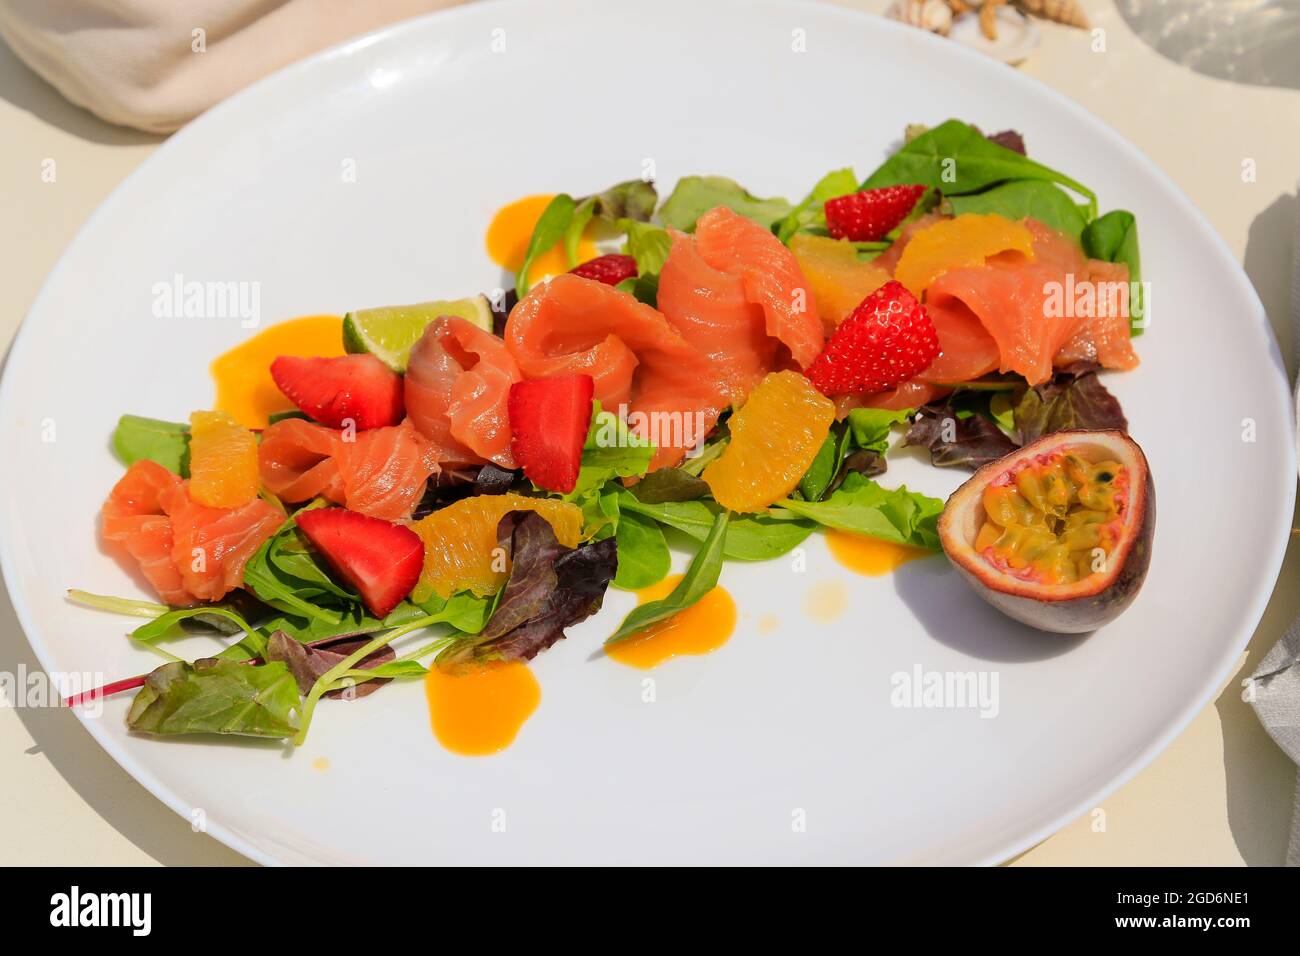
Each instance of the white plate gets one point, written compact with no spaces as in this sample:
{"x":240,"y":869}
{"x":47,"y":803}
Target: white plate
{"x":773,"y":728}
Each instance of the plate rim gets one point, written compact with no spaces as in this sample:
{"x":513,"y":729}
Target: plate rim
{"x":1250,"y":618}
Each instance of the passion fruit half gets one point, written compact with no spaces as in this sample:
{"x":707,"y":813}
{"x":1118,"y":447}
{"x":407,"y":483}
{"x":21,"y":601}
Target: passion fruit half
{"x":1057,"y":534}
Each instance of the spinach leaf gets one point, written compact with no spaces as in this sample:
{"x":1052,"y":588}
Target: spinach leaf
{"x":857,"y":444}
{"x":755,"y":537}
{"x":1019,"y":198}
{"x":861,"y":506}
{"x":957,"y":159}
{"x":1114,"y":238}
{"x":643,"y":556}
{"x":167,"y":443}
{"x":214,"y":696}
{"x":582,"y":214}
{"x":550,"y":588}
{"x":648,"y":244}
{"x":552,"y":227}
{"x":700,"y":578}
{"x":644,"y":288}
{"x":809,"y":215}
{"x":696,"y":195}
{"x":822,"y":471}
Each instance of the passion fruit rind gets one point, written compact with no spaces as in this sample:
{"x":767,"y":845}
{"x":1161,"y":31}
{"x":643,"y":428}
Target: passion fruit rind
{"x":1072,"y":608}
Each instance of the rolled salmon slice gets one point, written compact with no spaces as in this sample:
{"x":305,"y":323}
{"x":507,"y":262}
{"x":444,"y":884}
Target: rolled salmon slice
{"x":296,"y":461}
{"x":457,"y":385}
{"x":133,"y":518}
{"x":671,"y":392}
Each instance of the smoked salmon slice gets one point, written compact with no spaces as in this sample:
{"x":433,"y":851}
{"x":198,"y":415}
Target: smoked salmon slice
{"x":133,"y":518}
{"x":1104,"y":337}
{"x":457,"y":383}
{"x":380,"y":472}
{"x":670,"y":392}
{"x":187,"y":551}
{"x":728,"y":262}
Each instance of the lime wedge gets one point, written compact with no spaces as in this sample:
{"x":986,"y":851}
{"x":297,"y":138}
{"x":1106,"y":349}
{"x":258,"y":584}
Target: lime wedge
{"x":389,"y":332}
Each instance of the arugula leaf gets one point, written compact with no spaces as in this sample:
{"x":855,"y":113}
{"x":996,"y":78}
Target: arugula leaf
{"x":648,"y":244}
{"x":1019,"y":198}
{"x":167,"y":443}
{"x":1114,"y":238}
{"x":956,"y":159}
{"x":755,"y":537}
{"x":809,"y":215}
{"x":552,"y":227}
{"x":643,"y":556}
{"x":214,"y":696}
{"x":696,"y":195}
{"x":700,"y":578}
{"x":861,"y":506}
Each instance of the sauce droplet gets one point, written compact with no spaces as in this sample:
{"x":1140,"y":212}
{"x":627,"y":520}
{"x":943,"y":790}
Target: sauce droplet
{"x":511,"y":229}
{"x":870,"y":556}
{"x":768,"y":623}
{"x":826,"y":601}
{"x":478,"y":709}
{"x":699,"y":629}
{"x":245,"y":388}
{"x":321,"y":763}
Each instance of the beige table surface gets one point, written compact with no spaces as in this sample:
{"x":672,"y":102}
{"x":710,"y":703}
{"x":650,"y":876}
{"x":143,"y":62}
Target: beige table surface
{"x":1220,"y":794}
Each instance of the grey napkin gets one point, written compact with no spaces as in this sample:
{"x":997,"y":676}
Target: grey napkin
{"x":1274,"y":689}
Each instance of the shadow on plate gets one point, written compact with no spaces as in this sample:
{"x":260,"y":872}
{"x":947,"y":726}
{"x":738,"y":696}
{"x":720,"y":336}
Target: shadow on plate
{"x":108,"y":789}
{"x":953,"y":614}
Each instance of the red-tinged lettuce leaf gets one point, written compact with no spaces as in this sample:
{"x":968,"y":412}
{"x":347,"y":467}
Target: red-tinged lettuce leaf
{"x":550,"y":588}
{"x":1073,"y":398}
{"x":308,"y":662}
{"x":955,"y":441}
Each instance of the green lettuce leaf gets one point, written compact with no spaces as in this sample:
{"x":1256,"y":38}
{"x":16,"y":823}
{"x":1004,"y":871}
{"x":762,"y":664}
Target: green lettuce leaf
{"x":167,"y":443}
{"x":696,"y":195}
{"x":214,"y":696}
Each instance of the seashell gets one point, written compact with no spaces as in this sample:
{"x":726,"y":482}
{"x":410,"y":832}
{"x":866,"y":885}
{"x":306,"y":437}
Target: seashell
{"x":932,"y":15}
{"x":1017,"y":35}
{"x":1061,"y":11}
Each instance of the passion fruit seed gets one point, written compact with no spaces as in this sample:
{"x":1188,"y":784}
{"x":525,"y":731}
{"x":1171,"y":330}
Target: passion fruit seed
{"x":1049,"y":518}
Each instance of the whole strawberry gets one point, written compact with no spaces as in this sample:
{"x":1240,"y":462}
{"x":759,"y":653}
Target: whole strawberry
{"x":872,"y":214}
{"x":887,"y":340}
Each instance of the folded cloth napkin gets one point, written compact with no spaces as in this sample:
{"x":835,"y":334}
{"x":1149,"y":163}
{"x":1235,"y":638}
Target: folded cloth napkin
{"x":1274,"y":688}
{"x":156,"y":64}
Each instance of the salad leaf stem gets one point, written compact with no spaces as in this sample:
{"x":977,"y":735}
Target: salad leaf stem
{"x":117,"y":605}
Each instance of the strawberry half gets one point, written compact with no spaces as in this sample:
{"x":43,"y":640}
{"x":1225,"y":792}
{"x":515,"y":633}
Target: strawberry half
{"x":611,"y":269}
{"x":550,"y":418}
{"x":870,"y":215}
{"x":887,"y":340}
{"x":333,"y":390}
{"x":381,"y":560}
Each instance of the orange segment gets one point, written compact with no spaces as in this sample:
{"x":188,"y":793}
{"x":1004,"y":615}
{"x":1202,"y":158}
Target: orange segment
{"x":839,"y":279}
{"x":774,"y":438}
{"x":960,"y":243}
{"x":223,"y":461}
{"x":460,"y":541}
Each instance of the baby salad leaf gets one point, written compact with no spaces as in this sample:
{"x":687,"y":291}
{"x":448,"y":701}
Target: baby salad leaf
{"x":648,"y":244}
{"x":817,"y":479}
{"x":669,"y":484}
{"x":611,"y":451}
{"x":861,"y":506}
{"x":552,"y":226}
{"x":696,"y":195}
{"x":1019,"y":198}
{"x":550,"y":587}
{"x":956,"y":159}
{"x":1067,"y":401}
{"x":251,"y":645}
{"x":643,"y":556}
{"x":870,"y":426}
{"x":634,"y":199}
{"x":957,"y":441}
{"x":1114,"y":238}
{"x":809,"y":215}
{"x":700,"y":578}
{"x":756,"y":537}
{"x":167,"y":443}
{"x":214,"y":696}
{"x":857,"y":444}
{"x":309,"y":662}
